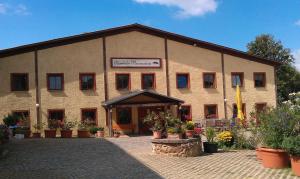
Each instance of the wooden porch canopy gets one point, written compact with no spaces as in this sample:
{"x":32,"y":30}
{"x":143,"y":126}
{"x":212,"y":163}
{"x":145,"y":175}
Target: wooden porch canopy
{"x":138,"y":98}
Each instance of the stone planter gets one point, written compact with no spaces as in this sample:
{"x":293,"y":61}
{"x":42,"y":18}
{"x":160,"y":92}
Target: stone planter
{"x":66,"y":133}
{"x":174,"y":136}
{"x":295,"y":160}
{"x":50,"y":133}
{"x":83,"y":133}
{"x":36,"y":135}
{"x":177,"y":147}
{"x":100,"y":134}
{"x":189,"y":133}
{"x":274,"y":158}
{"x":210,"y":147}
{"x":157,"y":134}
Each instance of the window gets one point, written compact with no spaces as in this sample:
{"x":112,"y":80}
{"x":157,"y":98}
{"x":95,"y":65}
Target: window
{"x":210,"y":111}
{"x":234,"y":110}
{"x":87,"y":81}
{"x":186,"y":113}
{"x":260,"y":107}
{"x":89,"y":116}
{"x":55,"y":117}
{"x":148,"y":81}
{"x":123,"y":81}
{"x":209,"y":80}
{"x":24,"y":118}
{"x":124,"y":115}
{"x":237,"y":78}
{"x":55,"y":81}
{"x":183,"y":80}
{"x":19,"y":82}
{"x":259,"y":79}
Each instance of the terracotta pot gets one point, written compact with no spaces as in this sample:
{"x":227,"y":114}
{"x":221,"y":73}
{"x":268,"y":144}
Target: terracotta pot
{"x":83,"y":133}
{"x":189,"y":133}
{"x":210,"y":147}
{"x":100,"y":134}
{"x":295,"y":160}
{"x":274,"y":158}
{"x":36,"y":135}
{"x":66,"y":133}
{"x":50,"y":133}
{"x":258,"y":154}
{"x":174,"y":136}
{"x":157,"y":134}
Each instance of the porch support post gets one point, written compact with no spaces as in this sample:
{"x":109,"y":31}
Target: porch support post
{"x":109,"y":116}
{"x":179,"y":110}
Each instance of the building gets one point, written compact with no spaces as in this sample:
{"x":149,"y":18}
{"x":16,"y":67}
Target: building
{"x":100,"y":76}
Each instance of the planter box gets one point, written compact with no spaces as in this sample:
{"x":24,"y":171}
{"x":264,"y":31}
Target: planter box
{"x":83,"y":133}
{"x":51,"y":133}
{"x":210,"y":148}
{"x":66,"y":133}
{"x":274,"y":158}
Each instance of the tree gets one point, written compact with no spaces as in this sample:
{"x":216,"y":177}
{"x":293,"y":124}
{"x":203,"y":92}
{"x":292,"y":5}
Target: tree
{"x":288,"y":78}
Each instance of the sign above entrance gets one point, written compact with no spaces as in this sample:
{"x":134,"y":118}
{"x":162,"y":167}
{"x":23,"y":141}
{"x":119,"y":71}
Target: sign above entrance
{"x":135,"y":62}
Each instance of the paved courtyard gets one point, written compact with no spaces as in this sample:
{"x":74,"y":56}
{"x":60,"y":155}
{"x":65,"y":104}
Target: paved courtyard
{"x":123,"y":158}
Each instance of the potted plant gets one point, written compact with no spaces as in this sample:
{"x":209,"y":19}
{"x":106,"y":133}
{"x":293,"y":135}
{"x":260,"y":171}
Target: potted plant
{"x":50,"y":132}
{"x":100,"y":132}
{"x":83,"y":130}
{"x":225,"y":139}
{"x":36,"y":133}
{"x":292,"y":146}
{"x":116,"y":133}
{"x":210,"y":146}
{"x":24,"y":131}
{"x":275,"y":124}
{"x":158,"y":123}
{"x":189,"y":132}
{"x":11,"y":121}
{"x":174,"y":133}
{"x":66,"y":129}
{"x":93,"y":130}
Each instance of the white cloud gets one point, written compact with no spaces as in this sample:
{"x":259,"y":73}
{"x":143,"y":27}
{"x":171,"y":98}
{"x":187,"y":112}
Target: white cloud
{"x":296,"y":54}
{"x":297,"y":23}
{"x":18,"y":9}
{"x":187,"y":8}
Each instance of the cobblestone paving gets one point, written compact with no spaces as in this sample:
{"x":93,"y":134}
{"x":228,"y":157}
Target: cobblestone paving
{"x":123,"y":158}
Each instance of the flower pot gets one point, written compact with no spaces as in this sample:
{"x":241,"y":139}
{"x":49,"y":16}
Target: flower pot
{"x":174,"y":136}
{"x":189,"y":133}
{"x":258,"y":154}
{"x":66,"y":133}
{"x":157,"y":134}
{"x":83,"y":133}
{"x":50,"y":133}
{"x":116,"y":135}
{"x":210,"y":147}
{"x":36,"y":135}
{"x":274,"y":158}
{"x":295,"y":160}
{"x":100,"y":134}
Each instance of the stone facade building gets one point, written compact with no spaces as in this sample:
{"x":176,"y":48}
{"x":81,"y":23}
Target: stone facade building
{"x":115,"y":76}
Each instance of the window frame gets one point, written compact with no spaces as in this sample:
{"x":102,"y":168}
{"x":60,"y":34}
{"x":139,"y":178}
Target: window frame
{"x":80,"y":81}
{"x":190,"y":107}
{"x":117,"y":115}
{"x":55,"y":110}
{"x":243,"y":109}
{"x":260,"y":103}
{"x":188,"y":80}
{"x":62,"y":81}
{"x":214,"y":82}
{"x":82,"y":110}
{"x":208,"y":105}
{"x":129,"y":82}
{"x":11,"y":82}
{"x":264,"y":79}
{"x":154,"y":80}
{"x":242,"y":78}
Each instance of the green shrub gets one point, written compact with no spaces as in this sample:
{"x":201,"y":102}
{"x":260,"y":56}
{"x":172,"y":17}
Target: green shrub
{"x":11,"y":119}
{"x":93,"y":129}
{"x":189,"y":125}
{"x":210,"y":134}
{"x":292,"y":145}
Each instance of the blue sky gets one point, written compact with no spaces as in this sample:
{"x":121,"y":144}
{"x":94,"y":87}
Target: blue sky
{"x":231,"y":23}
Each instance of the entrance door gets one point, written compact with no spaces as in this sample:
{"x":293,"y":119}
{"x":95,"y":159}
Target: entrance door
{"x":142,"y":112}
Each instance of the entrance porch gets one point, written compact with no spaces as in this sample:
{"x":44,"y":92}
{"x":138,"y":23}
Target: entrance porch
{"x":126,"y":113}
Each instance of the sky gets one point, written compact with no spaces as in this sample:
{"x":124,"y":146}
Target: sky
{"x":231,"y":23}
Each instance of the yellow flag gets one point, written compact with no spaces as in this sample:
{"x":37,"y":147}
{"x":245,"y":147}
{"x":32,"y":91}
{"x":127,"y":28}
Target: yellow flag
{"x":239,"y":103}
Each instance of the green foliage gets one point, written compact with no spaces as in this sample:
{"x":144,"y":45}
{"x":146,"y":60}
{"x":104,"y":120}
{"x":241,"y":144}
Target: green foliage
{"x":292,"y":145}
{"x":189,"y":125}
{"x":83,"y":126}
{"x":158,"y":121}
{"x":288,"y":78}
{"x":174,"y":130}
{"x":11,"y":119}
{"x":210,"y":134}
{"x":68,"y":125}
{"x":93,"y":129}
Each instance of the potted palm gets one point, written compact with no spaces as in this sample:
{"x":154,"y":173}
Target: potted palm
{"x":210,"y":146}
{"x":100,"y":132}
{"x":292,"y":146}
{"x":83,"y":130}
{"x":189,"y":132}
{"x":66,"y":129}
{"x":50,"y":132}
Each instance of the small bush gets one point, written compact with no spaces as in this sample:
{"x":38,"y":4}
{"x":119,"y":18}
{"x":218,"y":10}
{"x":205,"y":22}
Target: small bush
{"x":189,"y":125}
{"x":292,"y":145}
